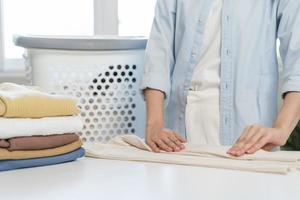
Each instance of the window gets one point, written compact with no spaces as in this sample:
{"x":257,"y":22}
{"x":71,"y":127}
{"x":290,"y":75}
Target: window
{"x":50,"y":17}
{"x":69,"y":17}
{"x":135,"y":17}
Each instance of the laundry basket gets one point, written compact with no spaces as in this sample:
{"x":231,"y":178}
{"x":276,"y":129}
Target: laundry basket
{"x":102,"y":74}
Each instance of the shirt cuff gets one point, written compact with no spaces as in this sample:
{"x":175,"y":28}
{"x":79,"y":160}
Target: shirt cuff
{"x":157,"y":82}
{"x":290,"y":87}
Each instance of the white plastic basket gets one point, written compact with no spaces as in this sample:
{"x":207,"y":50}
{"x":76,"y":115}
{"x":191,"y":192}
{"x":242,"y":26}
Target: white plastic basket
{"x":104,"y":80}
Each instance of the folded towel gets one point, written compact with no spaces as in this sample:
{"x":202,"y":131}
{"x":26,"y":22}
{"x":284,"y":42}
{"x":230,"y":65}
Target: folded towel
{"x":17,"y":155}
{"x":6,"y":165}
{"x":23,"y":102}
{"x":21,"y":127}
{"x":132,"y":148}
{"x":38,"y":142}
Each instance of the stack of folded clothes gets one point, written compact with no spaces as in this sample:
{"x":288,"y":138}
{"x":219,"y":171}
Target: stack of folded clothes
{"x":36,"y":128}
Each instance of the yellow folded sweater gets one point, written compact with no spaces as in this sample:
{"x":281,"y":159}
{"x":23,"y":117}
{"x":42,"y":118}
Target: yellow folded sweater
{"x":23,"y":102}
{"x":17,"y":155}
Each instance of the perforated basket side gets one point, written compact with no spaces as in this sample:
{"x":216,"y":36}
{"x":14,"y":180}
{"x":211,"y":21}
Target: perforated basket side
{"x":107,"y":95}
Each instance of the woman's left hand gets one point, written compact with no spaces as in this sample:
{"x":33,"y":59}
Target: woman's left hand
{"x":258,"y":137}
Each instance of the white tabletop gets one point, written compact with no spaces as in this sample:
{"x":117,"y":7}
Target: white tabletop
{"x":105,"y":179}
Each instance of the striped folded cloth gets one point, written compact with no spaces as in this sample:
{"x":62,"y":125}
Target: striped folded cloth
{"x":22,"y":102}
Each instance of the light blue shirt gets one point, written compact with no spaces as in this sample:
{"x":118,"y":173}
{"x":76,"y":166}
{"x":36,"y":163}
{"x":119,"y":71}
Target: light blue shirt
{"x":249,"y":66}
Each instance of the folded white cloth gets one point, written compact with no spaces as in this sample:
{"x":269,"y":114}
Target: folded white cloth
{"x":132,"y":148}
{"x":20,"y":127}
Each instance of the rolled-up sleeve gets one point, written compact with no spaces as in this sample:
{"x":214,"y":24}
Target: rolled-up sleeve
{"x":289,"y":35}
{"x":159,"y":59}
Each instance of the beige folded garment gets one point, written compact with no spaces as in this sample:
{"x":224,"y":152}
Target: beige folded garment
{"x":132,"y":148}
{"x":20,"y":101}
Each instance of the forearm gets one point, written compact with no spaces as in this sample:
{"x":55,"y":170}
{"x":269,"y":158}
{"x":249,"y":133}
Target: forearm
{"x":289,"y":114}
{"x":157,"y":137}
{"x":155,"y":107}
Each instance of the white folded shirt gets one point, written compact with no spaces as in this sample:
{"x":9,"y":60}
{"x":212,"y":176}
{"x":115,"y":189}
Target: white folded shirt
{"x":132,"y":148}
{"x":20,"y":127}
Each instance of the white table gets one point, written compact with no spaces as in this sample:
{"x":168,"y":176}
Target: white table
{"x":106,"y":180}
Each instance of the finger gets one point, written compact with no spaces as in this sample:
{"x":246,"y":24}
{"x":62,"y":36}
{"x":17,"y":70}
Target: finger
{"x":180,"y":138}
{"x":251,"y":141}
{"x":262,"y":142}
{"x":269,"y":147}
{"x":163,"y":146}
{"x":168,"y":141}
{"x":153,"y":146}
{"x":239,"y":148}
{"x":177,"y":143}
{"x":177,"y":137}
{"x":239,"y":143}
{"x":252,"y":132}
{"x":236,"y":146}
{"x":244,"y":134}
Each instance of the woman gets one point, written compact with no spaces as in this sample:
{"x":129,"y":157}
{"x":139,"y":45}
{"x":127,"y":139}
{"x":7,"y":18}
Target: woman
{"x":211,"y":74}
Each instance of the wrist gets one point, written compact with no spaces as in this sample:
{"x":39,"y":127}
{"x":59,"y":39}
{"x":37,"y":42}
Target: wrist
{"x":155,"y":123}
{"x":286,"y":131}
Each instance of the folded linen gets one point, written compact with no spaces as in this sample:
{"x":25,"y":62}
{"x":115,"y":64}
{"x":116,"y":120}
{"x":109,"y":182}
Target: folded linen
{"x":6,"y":165}
{"x":21,"y":102}
{"x":132,"y":148}
{"x":21,"y":127}
{"x":38,"y":142}
{"x":17,"y":155}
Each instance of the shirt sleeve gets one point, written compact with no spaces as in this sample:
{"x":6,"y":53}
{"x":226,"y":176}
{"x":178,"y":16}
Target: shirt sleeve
{"x":289,"y":35}
{"x":159,"y":60}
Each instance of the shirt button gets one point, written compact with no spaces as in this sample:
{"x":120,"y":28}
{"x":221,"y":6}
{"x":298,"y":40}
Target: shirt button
{"x":226,"y":120}
{"x":227,"y":52}
{"x":227,"y":17}
{"x":226,"y":86}
{"x":200,"y":21}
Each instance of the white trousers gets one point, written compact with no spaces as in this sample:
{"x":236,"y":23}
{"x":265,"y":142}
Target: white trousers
{"x":202,"y":118}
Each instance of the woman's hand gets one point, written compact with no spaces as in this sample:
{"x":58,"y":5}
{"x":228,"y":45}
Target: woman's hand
{"x":159,"y":138}
{"x":257,"y":137}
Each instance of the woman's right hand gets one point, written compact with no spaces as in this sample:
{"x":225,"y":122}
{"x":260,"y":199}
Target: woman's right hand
{"x":159,"y":138}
